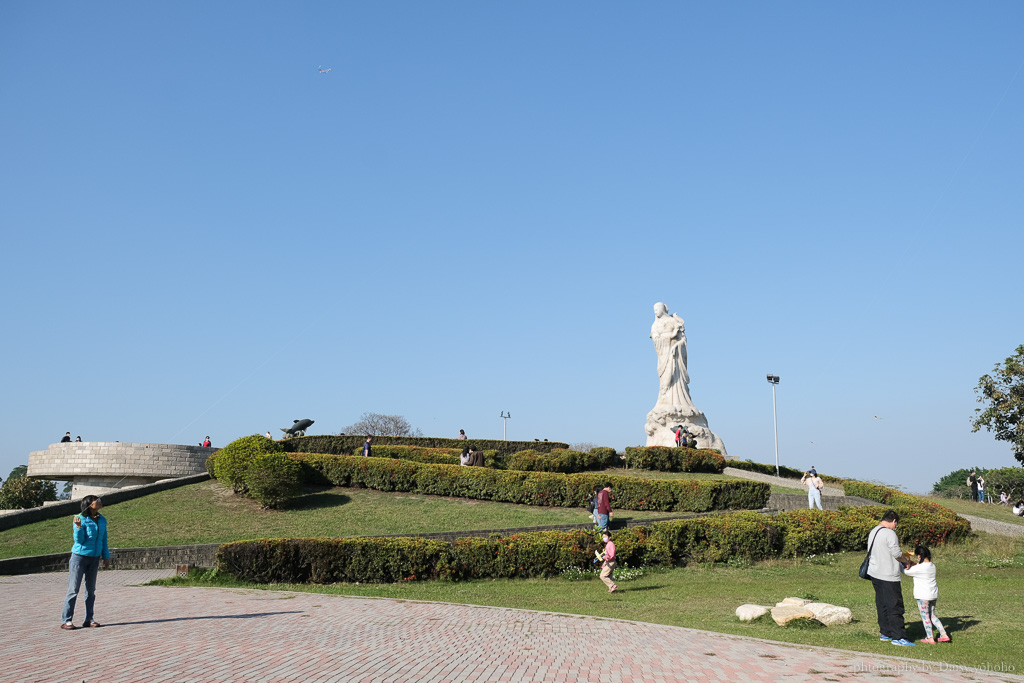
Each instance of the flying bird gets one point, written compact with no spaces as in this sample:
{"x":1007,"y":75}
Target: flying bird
{"x":322,"y":70}
{"x":879,"y":418}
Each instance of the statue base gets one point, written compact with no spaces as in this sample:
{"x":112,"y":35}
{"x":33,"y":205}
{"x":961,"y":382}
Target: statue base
{"x":663,"y":420}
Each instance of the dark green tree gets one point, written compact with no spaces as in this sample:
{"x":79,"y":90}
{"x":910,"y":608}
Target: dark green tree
{"x":22,"y":492}
{"x":1002,"y":392}
{"x":19,"y":471}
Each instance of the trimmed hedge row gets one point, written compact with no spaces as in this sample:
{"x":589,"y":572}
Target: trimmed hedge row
{"x":532,"y":488}
{"x":666,"y":459}
{"x":442,"y":456}
{"x":349,"y":444}
{"x":740,"y":535}
{"x":561,"y":460}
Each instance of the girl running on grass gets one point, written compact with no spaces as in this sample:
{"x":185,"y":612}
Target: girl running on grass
{"x":926,"y":592}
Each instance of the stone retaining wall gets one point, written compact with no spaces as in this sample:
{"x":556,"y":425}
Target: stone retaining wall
{"x":110,"y":461}
{"x":156,"y":557}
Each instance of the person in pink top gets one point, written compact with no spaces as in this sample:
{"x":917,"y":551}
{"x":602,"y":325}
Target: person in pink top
{"x":607,"y":561}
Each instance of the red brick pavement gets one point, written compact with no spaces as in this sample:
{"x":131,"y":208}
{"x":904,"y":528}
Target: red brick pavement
{"x":206,"y":634}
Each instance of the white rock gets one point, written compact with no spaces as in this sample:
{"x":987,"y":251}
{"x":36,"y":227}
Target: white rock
{"x":830,"y":615}
{"x":783,"y":614}
{"x":798,"y":602}
{"x":750,"y":612}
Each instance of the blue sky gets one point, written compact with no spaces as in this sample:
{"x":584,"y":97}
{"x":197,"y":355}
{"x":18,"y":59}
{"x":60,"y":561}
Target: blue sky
{"x":476,"y":208}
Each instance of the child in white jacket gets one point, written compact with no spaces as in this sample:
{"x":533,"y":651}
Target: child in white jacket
{"x":926,"y":592}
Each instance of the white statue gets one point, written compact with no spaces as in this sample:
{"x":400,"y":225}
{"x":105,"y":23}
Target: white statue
{"x":674,"y":407}
{"x":669,"y":335}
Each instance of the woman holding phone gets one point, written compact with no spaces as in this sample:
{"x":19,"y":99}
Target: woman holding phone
{"x":89,"y":530}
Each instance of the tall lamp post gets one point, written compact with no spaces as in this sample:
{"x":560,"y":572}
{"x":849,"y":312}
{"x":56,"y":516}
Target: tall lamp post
{"x":773,"y":380}
{"x":504,"y":424}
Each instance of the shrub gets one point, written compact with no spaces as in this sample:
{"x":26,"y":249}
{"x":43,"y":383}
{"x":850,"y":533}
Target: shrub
{"x":330,"y":560}
{"x":272,"y":479}
{"x":738,"y":538}
{"x":921,"y":520}
{"x":211,"y":465}
{"x":667,"y":459}
{"x":534,"y":554}
{"x":532,"y":488}
{"x":234,"y":459}
{"x":717,"y":538}
{"x":22,"y":492}
{"x":560,"y":460}
{"x":443,"y":456}
{"x":348,"y":444}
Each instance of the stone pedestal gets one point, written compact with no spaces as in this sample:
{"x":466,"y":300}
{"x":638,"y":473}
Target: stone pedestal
{"x":662,"y":422}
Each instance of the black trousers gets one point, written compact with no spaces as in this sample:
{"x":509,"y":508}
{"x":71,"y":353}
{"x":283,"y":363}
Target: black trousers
{"x":889,"y":605}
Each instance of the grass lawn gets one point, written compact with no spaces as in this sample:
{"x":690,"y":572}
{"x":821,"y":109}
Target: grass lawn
{"x":981,"y":585}
{"x":1002,"y":513}
{"x":210,"y":513}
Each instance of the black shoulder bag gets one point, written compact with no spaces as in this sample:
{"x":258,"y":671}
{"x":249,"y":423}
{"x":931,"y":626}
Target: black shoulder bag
{"x":864,"y":565}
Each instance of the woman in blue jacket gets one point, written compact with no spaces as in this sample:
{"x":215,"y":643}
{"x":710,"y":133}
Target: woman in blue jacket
{"x":90,"y":534}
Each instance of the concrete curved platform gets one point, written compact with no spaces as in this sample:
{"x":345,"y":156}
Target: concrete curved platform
{"x":95,"y":467}
{"x":212,"y":634}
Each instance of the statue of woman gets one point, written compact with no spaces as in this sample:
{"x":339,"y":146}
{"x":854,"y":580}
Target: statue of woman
{"x":668,"y":333}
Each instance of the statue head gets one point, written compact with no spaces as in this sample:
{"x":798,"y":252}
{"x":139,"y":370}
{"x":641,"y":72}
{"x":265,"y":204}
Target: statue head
{"x":660,"y":309}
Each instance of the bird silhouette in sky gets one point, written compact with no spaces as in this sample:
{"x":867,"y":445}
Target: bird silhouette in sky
{"x":879,"y":418}
{"x":322,"y":70}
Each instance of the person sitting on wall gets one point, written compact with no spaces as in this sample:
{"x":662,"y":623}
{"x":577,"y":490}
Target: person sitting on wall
{"x":462,"y":435}
{"x":67,"y":438}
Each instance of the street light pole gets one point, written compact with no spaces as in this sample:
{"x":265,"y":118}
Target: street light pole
{"x":504,"y":424}
{"x":774,"y":380}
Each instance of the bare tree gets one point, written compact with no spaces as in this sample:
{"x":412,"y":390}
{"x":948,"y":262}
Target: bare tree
{"x":376,"y":424}
{"x":582,"y":447}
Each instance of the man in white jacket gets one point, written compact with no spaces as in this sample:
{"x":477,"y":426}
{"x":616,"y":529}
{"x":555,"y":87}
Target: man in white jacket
{"x":884,"y":570}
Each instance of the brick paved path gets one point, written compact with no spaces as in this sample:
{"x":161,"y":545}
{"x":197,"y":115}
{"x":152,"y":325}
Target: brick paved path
{"x":207,"y":634}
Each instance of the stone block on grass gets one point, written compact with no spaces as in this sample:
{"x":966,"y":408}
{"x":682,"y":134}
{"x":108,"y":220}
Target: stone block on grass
{"x":783,"y":614}
{"x":750,"y":612}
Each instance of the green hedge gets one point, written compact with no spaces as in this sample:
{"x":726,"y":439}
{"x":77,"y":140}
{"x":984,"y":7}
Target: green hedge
{"x":350,"y":444}
{"x":441,"y":456}
{"x":561,"y":460}
{"x":532,"y":488}
{"x":666,"y":459}
{"x":741,"y":535}
{"x":331,"y":560}
{"x":273,"y":479}
{"x":232,"y":462}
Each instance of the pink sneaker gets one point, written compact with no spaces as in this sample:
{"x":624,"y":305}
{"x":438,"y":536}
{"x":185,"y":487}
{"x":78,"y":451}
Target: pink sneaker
{"x":944,"y":639}
{"x":927,"y":641}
